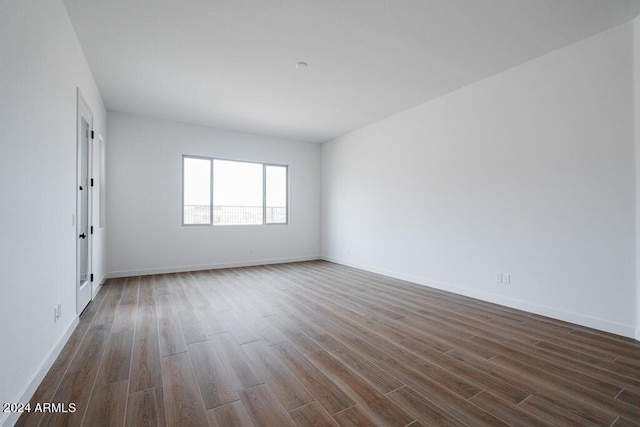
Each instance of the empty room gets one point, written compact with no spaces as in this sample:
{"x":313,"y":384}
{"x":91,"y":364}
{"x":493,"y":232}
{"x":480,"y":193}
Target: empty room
{"x":320,"y":213}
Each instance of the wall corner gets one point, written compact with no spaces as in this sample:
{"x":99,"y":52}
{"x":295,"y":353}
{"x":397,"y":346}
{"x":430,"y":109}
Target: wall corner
{"x":636,"y":116}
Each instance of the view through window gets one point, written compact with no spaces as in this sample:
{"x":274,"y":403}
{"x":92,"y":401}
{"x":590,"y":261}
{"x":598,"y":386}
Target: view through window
{"x":231,"y":192}
{"x":196,"y":190}
{"x":276,"y":194}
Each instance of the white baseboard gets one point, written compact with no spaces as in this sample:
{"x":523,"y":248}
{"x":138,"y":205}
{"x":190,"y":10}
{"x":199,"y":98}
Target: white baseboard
{"x":96,"y":289}
{"x":30,"y":388}
{"x":555,"y":313}
{"x":98,"y":285}
{"x":185,"y":268}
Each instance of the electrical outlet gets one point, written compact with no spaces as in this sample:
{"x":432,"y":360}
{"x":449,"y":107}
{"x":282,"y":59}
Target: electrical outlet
{"x":503,"y":278}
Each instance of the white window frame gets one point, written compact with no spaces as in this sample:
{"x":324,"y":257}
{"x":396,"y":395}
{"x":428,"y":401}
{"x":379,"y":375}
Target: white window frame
{"x":264,"y":191}
{"x":184,"y":156}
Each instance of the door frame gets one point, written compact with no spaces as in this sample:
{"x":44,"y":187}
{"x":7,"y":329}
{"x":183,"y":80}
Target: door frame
{"x":83,"y":110}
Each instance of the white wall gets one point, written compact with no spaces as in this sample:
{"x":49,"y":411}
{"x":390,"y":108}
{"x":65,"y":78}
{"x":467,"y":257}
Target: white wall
{"x":144,"y":178}
{"x":41,"y":65}
{"x":636,"y":74}
{"x":529,"y":172}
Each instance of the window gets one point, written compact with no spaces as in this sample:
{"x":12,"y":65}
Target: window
{"x":231,"y":192}
{"x":237,"y":192}
{"x":196,"y":191}
{"x":276,"y":194}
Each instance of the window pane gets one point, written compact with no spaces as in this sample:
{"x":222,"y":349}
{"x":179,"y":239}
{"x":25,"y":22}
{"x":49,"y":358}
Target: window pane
{"x":237,"y":193}
{"x":197,"y":191}
{"x":276,"y":208}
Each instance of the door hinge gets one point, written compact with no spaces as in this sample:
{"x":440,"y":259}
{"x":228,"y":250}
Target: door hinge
{"x":92,"y":135}
{"x":92,"y":277}
{"x":92,"y":229}
{"x":92,"y":182}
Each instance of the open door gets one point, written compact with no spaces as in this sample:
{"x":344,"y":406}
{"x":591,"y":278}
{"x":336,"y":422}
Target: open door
{"x":83,"y":207}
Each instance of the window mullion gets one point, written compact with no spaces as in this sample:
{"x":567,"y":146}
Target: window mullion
{"x":264,"y":194}
{"x":211,"y":196}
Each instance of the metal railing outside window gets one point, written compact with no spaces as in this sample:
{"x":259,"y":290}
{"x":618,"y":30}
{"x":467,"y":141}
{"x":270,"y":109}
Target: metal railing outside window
{"x":233,"y":192}
{"x":233,"y":215}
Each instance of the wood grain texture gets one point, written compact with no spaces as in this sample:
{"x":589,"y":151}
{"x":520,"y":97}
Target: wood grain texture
{"x":325,"y":391}
{"x":320,"y":344}
{"x":146,"y":408}
{"x":312,"y":415}
{"x":551,"y":413}
{"x":182,"y":401}
{"x":145,"y":359}
{"x":170,"y":334}
{"x":234,"y":361}
{"x":89,"y":353}
{"x":374,"y":403}
{"x":107,"y":405}
{"x":505,"y":411}
{"x":125,"y":318}
{"x":217,"y":383}
{"x":263,"y":409}
{"x":116,"y":362}
{"x":354,"y":417}
{"x":231,"y":415}
{"x":421,"y":408}
{"x":273,"y":372}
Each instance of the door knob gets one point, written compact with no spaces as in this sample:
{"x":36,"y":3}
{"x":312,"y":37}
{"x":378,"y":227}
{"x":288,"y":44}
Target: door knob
{"x":82,"y":236}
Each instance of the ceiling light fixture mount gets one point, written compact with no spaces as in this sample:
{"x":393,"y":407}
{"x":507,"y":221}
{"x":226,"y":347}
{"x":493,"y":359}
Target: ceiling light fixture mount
{"x":302,"y":65}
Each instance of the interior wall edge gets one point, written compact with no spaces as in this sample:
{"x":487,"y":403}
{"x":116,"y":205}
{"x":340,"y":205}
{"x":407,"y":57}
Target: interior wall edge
{"x":579,"y":319}
{"x":215,"y":266}
{"x":636,"y":106}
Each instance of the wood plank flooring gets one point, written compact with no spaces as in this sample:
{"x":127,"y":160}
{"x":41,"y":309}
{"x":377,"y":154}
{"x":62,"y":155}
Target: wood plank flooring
{"x":319,"y":344}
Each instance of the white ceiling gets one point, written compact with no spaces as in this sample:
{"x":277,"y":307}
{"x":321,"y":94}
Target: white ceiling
{"x":231,"y":63}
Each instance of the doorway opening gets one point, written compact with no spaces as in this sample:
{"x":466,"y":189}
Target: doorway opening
{"x":84,"y":275}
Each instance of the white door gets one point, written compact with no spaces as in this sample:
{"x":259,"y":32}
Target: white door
{"x":83,"y":209}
